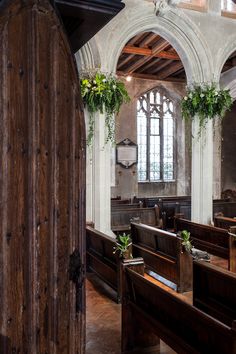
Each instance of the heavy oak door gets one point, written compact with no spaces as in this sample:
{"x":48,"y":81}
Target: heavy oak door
{"x":42,"y":184}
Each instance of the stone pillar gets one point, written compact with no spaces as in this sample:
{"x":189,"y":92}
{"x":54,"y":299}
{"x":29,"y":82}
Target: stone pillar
{"x":101,"y":177}
{"x":202,"y":173}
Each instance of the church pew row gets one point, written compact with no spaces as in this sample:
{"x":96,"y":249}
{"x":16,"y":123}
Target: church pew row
{"x":169,"y":207}
{"x":127,"y":206}
{"x":214,"y":291}
{"x":100,"y":257}
{"x":149,"y":310}
{"x":224,"y":222}
{"x":163,"y":254}
{"x":120,"y":218}
{"x":214,"y":240}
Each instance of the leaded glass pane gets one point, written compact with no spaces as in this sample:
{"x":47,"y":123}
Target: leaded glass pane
{"x":142,"y":145}
{"x":168,"y":153}
{"x":154,"y":158}
{"x":155,"y":126}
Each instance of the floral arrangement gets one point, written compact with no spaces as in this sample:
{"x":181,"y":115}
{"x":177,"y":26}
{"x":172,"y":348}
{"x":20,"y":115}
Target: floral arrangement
{"x":123,"y":245}
{"x":105,"y":94}
{"x":206,"y":102}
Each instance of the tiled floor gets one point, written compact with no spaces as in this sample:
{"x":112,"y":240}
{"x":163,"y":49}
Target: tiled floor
{"x":103,"y":320}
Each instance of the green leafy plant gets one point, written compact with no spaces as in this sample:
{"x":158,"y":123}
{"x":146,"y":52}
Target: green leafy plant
{"x":185,"y":235}
{"x":123,"y":245}
{"x":105,"y":94}
{"x":206,"y":102}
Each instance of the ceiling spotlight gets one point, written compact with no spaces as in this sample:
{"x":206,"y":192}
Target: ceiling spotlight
{"x":128,"y":78}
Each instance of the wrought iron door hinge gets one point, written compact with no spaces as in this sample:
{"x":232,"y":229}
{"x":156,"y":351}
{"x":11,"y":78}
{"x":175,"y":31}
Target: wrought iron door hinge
{"x":77,"y":275}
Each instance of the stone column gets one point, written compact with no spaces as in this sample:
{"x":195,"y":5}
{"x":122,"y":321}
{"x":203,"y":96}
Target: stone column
{"x":101,"y":177}
{"x":202,"y":173}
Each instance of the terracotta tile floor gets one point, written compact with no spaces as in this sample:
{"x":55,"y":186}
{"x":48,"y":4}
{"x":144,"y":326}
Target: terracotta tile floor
{"x":103,"y":320}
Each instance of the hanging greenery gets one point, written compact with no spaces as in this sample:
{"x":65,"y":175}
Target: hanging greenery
{"x":205,"y":102}
{"x":105,"y":94}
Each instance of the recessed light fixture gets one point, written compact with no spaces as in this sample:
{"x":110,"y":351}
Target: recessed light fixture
{"x":128,"y":78}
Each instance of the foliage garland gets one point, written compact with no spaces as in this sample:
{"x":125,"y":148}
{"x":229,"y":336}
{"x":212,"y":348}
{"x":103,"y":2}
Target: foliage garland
{"x":206,"y":102}
{"x":105,"y":94}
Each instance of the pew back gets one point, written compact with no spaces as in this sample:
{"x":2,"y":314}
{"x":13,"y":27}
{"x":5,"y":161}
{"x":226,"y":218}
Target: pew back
{"x":185,"y":328}
{"x":207,"y":238}
{"x":214,"y":291}
{"x":163,"y":253}
{"x":224,"y":222}
{"x":100,"y":257}
{"x":120,"y":218}
{"x":216,"y":241}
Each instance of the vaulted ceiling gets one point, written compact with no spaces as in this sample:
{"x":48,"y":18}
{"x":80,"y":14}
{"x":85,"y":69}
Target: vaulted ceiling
{"x":149,"y":56}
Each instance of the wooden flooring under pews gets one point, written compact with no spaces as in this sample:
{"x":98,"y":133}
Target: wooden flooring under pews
{"x":103,"y":332}
{"x":103,"y":314}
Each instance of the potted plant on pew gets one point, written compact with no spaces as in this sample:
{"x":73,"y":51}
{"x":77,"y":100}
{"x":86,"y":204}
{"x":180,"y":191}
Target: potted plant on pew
{"x":195,"y":253}
{"x":185,"y":235}
{"x":123,"y":246}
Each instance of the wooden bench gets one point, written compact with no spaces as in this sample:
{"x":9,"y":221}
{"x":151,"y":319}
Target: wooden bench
{"x":211,"y":239}
{"x":120,"y":201}
{"x":224,"y":222}
{"x":100,"y":257}
{"x":127,"y":206}
{"x":227,"y":208}
{"x":169,"y":207}
{"x":163,"y":254}
{"x":214,"y":291}
{"x":120,"y":218}
{"x":148,"y":309}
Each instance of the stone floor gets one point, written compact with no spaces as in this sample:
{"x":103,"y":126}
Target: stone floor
{"x":103,"y":320}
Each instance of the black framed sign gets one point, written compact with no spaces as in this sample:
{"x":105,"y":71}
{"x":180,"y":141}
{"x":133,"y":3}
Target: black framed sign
{"x":126,"y":153}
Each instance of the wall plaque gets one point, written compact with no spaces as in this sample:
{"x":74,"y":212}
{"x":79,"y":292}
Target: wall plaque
{"x":126,"y":153}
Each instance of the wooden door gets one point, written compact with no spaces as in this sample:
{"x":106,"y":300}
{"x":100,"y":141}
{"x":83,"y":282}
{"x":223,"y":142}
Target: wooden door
{"x":42,"y":184}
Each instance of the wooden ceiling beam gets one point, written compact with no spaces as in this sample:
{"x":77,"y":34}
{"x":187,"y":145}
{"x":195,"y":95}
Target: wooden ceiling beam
{"x":148,"y":39}
{"x":125,"y":61}
{"x":161,"y":66}
{"x":150,"y":52}
{"x":151,"y":77}
{"x":173,"y":68}
{"x":149,"y":65}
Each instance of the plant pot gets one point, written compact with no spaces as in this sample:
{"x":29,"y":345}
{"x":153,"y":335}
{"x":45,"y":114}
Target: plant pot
{"x":128,"y":253}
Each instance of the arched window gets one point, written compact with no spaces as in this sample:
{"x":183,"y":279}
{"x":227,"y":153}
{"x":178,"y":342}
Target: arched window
{"x":155,"y":133}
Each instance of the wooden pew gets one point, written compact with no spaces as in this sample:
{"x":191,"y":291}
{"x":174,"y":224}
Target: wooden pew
{"x":227,"y":208}
{"x":213,"y":240}
{"x":120,"y":218}
{"x":100,"y":258}
{"x":214,"y":291}
{"x":224,"y":222}
{"x":169,"y":207}
{"x":120,"y":201}
{"x":127,"y":206}
{"x":163,"y":253}
{"x":148,"y":309}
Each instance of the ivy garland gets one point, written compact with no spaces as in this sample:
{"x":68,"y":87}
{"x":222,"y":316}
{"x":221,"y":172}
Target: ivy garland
{"x":105,"y":94}
{"x":206,"y":102}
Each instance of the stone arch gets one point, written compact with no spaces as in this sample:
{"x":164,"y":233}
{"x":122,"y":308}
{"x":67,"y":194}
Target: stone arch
{"x":224,"y":53}
{"x":175,"y":27}
{"x":88,"y":57}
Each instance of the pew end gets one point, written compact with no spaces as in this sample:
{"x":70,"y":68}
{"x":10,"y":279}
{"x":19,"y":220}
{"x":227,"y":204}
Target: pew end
{"x":137,"y":337}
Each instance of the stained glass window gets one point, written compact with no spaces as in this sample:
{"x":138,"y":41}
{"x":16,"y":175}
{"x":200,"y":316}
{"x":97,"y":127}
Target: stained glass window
{"x":155,"y":131}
